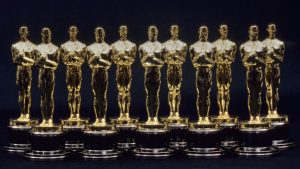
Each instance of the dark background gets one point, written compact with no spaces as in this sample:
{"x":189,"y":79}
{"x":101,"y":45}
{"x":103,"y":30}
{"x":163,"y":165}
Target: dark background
{"x":138,"y":15}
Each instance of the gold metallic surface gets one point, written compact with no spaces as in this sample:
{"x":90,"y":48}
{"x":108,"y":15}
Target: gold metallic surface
{"x":253,"y":53}
{"x":203,"y":56}
{"x":123,"y":55}
{"x":273,"y":59}
{"x":224,"y":57}
{"x":151,"y":53}
{"x":47,"y":59}
{"x":99,"y":60}
{"x":174,"y":55}
{"x":22,"y":56}
{"x":73,"y":54}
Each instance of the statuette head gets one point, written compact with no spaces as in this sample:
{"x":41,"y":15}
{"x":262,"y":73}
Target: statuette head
{"x":46,"y":35}
{"x":253,"y":32}
{"x":73,"y":31}
{"x":152,"y":33}
{"x":99,"y":34}
{"x":203,"y":33}
{"x":23,"y":31}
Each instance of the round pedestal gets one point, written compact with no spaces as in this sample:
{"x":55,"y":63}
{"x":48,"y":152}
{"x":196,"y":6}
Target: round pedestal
{"x":256,"y":140}
{"x":100,"y":142}
{"x":177,"y":135}
{"x":152,"y":141}
{"x":74,"y":134}
{"x":18,"y":136}
{"x":203,"y":141}
{"x":229,"y":134}
{"x":126,"y":133}
{"x":280,"y":132}
{"x":47,"y":143}
{"x":177,"y":132}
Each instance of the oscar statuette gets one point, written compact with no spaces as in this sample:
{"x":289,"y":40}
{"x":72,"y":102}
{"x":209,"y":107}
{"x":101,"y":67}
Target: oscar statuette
{"x":18,"y":129}
{"x":123,"y":55}
{"x":47,"y":139}
{"x":224,"y":57}
{"x":255,"y":134}
{"x":152,"y":135}
{"x":273,"y":60}
{"x":175,"y":55}
{"x":203,"y":135}
{"x":100,"y":137}
{"x":73,"y":54}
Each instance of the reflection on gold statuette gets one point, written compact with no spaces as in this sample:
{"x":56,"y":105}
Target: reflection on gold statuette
{"x":273,"y":60}
{"x":99,"y":60}
{"x":255,"y":134}
{"x":224,"y":57}
{"x":274,"y":57}
{"x":46,"y":138}
{"x":22,"y":56}
{"x":225,"y":54}
{"x":73,"y":54}
{"x":47,"y":58}
{"x":202,"y":55}
{"x":151,"y":53}
{"x":152,"y":61}
{"x":123,"y":55}
{"x":174,"y":55}
{"x":253,"y":54}
{"x":204,"y":134}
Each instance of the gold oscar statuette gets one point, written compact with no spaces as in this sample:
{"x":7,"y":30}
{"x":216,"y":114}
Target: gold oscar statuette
{"x":256,"y":138}
{"x":224,"y":57}
{"x":174,"y":56}
{"x":204,"y":133}
{"x":152,"y":59}
{"x":46,"y":137}
{"x":22,"y":56}
{"x":274,"y":58}
{"x":123,"y":55}
{"x":73,"y":54}
{"x":99,"y":137}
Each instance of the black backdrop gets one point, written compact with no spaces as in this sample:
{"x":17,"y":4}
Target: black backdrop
{"x":138,"y":15}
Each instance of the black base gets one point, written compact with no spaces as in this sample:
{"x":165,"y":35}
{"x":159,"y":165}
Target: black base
{"x":18,"y":136}
{"x":256,"y":140}
{"x":152,"y":141}
{"x":283,"y":144}
{"x":177,"y":135}
{"x":47,"y":143}
{"x":16,"y":148}
{"x":203,"y":141}
{"x":100,"y":154}
{"x":229,"y":134}
{"x":229,"y":145}
{"x":100,"y":142}
{"x":126,"y":135}
{"x":178,"y":145}
{"x":281,"y":134}
{"x":153,"y":152}
{"x":257,"y":151}
{"x":46,"y":155}
{"x":73,"y":138}
{"x":204,"y":152}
